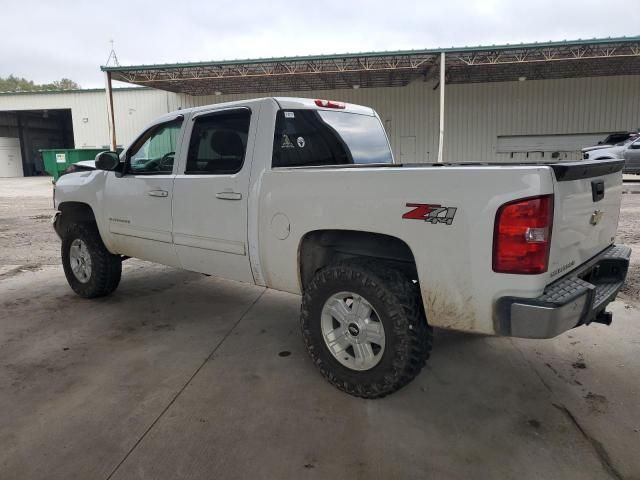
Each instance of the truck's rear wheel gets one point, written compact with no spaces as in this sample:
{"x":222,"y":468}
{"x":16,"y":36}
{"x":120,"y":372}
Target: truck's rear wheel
{"x":364,"y":328}
{"x":91,"y":270}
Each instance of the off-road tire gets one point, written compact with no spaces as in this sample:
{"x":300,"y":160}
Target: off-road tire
{"x":397,"y":301}
{"x":106,"y":268}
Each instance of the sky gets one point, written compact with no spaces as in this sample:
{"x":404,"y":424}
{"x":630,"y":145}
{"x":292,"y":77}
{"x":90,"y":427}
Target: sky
{"x":45,"y":41}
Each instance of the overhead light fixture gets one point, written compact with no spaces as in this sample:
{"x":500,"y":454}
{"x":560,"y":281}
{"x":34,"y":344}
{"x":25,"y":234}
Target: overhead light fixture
{"x":356,"y":86}
{"x":522,"y":79}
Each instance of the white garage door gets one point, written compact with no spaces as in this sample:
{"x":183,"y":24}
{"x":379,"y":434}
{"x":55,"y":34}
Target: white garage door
{"x":10,"y":158}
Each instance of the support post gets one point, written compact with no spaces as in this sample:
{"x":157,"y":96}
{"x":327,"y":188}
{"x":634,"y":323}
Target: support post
{"x":441,"y":139}
{"x":26,"y":168}
{"x":112,"y":122}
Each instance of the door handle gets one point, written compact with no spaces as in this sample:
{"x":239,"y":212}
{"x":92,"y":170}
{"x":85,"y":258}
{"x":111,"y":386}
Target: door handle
{"x":229,"y":196}
{"x":158,"y":193}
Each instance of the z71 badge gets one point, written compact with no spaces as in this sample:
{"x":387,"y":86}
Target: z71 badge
{"x":430,"y":213}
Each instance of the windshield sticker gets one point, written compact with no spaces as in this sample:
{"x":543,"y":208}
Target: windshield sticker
{"x":430,"y":213}
{"x":286,"y":143}
{"x":300,"y":142}
{"x":289,"y":115}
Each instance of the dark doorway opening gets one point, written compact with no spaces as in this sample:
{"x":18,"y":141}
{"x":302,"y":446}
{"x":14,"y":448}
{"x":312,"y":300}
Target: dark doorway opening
{"x":36,"y":130}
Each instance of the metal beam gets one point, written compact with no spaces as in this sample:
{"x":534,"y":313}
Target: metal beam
{"x":111,"y":119}
{"x":441,"y":139}
{"x":26,"y":168}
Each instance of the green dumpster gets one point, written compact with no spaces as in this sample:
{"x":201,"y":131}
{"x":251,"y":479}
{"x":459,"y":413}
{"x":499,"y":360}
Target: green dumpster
{"x":56,"y":161}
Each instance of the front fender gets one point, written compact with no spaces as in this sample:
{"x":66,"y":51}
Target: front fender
{"x":85,"y":187}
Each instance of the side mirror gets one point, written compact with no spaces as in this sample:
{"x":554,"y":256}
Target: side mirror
{"x":107,"y":161}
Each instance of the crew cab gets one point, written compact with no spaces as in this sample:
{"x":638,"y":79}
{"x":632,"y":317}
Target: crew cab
{"x":304,"y":196}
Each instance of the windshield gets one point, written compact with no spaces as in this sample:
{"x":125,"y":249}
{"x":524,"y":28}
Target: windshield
{"x":628,"y":140}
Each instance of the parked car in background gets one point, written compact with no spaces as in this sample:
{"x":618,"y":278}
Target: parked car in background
{"x":629,"y":151}
{"x":618,"y":137}
{"x":611,"y":140}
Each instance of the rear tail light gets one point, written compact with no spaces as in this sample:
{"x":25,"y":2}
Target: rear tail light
{"x":522,"y":236}
{"x":329,"y":103}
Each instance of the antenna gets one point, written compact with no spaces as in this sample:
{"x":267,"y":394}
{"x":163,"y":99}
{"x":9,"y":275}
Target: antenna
{"x":112,"y":56}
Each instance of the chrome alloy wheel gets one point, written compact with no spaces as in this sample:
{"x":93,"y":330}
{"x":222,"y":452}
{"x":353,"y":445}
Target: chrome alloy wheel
{"x":80,"y":260}
{"x":352,"y":331}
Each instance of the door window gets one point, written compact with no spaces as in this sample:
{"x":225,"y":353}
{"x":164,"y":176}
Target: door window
{"x":218,"y":143}
{"x":154,"y":152}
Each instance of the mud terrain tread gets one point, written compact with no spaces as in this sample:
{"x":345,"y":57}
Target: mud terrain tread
{"x":106,"y":267}
{"x":403,"y":311}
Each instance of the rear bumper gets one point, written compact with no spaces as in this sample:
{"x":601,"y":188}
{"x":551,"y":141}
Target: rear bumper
{"x":576,"y":299}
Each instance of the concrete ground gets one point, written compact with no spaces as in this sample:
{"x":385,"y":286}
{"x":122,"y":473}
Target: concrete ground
{"x":178,"y":375}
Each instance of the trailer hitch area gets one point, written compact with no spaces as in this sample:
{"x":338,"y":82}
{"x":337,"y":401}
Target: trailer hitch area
{"x":604,"y":318}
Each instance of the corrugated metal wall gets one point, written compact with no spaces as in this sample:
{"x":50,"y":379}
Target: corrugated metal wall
{"x":133,"y":107}
{"x":476,"y":114}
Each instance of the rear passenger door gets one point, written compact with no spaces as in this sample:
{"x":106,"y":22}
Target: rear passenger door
{"x":210,"y":194}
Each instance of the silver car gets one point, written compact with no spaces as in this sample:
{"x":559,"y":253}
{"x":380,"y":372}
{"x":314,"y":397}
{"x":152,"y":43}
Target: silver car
{"x":628,"y":150}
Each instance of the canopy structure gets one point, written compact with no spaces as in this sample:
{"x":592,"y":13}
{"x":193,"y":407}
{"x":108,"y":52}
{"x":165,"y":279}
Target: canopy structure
{"x":566,"y":59}
{"x":495,"y":63}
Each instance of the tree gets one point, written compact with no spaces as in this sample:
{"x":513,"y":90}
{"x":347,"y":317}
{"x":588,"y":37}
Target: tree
{"x":17,"y":84}
{"x":66,"y":84}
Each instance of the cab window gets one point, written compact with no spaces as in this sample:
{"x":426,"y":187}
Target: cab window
{"x":319,"y":137}
{"x":218,"y":143}
{"x":154,"y":152}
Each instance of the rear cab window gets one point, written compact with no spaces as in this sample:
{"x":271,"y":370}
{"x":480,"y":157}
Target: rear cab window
{"x":306,"y":137}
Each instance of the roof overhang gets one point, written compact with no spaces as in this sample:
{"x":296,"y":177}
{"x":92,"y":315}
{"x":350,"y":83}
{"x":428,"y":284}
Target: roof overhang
{"x":534,"y":61}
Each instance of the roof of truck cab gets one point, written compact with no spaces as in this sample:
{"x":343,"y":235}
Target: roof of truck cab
{"x":291,"y":103}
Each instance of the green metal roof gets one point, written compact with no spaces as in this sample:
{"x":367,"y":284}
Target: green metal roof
{"x":488,"y":63}
{"x":341,"y":56}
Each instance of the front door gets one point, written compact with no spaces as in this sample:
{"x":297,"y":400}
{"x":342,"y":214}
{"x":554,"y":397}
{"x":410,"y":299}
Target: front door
{"x":138,"y":202}
{"x":210,"y":195}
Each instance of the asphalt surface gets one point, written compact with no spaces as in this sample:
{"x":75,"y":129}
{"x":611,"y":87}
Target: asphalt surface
{"x":178,"y":375}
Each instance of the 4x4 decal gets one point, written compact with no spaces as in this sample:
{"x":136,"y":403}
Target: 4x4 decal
{"x":430,"y":213}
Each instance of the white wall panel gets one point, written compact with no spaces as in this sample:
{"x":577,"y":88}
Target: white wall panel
{"x":476,"y":114}
{"x":133,"y":109}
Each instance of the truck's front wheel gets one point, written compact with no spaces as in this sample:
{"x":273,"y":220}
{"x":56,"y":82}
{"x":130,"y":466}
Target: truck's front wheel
{"x":91,"y":270}
{"x":364,"y":328}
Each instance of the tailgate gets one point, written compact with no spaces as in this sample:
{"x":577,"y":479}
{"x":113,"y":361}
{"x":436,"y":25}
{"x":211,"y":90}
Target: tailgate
{"x":586,"y":210}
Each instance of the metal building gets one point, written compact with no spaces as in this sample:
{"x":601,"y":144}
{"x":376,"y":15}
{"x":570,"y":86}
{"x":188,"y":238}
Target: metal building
{"x":505,"y":103}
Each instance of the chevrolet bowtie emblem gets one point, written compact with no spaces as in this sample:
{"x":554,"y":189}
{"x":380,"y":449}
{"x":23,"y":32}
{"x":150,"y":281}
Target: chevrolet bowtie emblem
{"x":596,"y":217}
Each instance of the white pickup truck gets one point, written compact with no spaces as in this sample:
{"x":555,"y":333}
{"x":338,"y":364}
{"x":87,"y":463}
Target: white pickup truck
{"x":304,"y":196}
